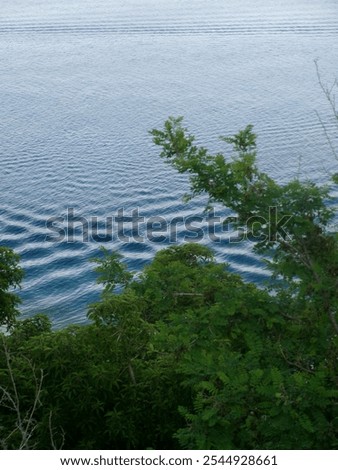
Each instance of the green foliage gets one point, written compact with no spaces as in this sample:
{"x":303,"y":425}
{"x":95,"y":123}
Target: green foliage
{"x":10,"y":277}
{"x":236,"y":182}
{"x":294,"y":348}
{"x":22,"y":330}
{"x":187,"y":354}
{"x":244,"y":141}
{"x":248,"y":365}
{"x":291,"y":220}
{"x":112,"y":272}
{"x":99,"y":389}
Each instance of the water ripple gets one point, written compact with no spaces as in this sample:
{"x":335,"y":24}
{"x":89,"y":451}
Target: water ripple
{"x":84,"y":81}
{"x":327,"y":27}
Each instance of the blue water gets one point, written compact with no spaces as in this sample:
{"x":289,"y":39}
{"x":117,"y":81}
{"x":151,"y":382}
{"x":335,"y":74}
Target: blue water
{"x":82,"y":82}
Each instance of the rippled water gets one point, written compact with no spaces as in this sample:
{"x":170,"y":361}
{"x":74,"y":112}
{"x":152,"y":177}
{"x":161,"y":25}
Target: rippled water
{"x":83,"y":81}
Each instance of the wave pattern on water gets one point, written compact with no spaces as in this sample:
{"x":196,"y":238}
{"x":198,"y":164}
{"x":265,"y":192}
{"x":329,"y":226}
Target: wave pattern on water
{"x":167,"y":28}
{"x":84,"y":81}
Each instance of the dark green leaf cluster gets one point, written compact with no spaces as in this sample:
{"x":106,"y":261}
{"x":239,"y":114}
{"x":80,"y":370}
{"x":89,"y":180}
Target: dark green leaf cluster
{"x":10,"y":277}
{"x":186,"y":356}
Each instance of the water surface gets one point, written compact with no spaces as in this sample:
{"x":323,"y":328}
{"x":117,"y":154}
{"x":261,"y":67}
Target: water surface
{"x":82,"y":82}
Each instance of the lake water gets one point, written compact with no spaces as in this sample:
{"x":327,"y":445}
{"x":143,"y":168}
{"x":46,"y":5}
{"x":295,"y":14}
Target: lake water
{"x":83,"y":81}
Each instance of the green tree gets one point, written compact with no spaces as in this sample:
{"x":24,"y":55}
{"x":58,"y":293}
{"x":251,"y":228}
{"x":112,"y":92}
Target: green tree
{"x":11,"y":276}
{"x":111,"y":270}
{"x":249,"y":392}
{"x":187,"y":355}
{"x":302,"y":248}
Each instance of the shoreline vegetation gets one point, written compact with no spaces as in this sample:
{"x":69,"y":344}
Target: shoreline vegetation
{"x":187,"y":355}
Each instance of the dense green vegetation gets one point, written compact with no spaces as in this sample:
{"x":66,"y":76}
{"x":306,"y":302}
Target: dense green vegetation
{"x":188,"y":355}
{"x":10,"y":277}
